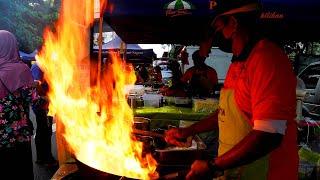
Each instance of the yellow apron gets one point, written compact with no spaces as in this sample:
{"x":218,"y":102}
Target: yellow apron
{"x":233,"y":127}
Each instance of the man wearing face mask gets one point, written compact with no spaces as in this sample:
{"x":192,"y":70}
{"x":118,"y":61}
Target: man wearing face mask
{"x":257,"y":131}
{"x":201,"y":78}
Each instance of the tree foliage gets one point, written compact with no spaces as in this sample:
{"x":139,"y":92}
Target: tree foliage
{"x":27,"y":20}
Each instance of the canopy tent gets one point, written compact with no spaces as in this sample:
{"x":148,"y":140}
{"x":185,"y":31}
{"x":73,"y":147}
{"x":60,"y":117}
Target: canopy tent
{"x":186,"y":21}
{"x":134,"y":53}
{"x":28,"y":57}
{"x":115,"y":43}
{"x":141,"y":56}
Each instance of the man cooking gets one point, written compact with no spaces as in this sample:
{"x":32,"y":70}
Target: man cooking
{"x":257,"y":131}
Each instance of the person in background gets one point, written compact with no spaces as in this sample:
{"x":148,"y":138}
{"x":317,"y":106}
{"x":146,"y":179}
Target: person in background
{"x":139,"y":78}
{"x":144,"y":74}
{"x":175,"y":88}
{"x":257,"y":130}
{"x":16,"y":95}
{"x":157,"y":74}
{"x":44,"y":122}
{"x":201,"y":78}
{"x":137,"y":73}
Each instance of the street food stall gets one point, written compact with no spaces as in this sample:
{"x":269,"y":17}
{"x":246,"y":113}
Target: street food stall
{"x":99,"y":130}
{"x":132,"y":53}
{"x":155,"y":22}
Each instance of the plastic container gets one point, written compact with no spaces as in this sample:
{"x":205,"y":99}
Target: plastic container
{"x":141,"y":123}
{"x":136,"y":90}
{"x":182,"y":101}
{"x":152,"y":100}
{"x":135,"y":101}
{"x":169,"y":100}
{"x":205,"y":105}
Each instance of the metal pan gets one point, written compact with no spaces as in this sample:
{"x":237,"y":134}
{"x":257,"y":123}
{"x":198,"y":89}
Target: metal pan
{"x":182,"y":156}
{"x":88,"y":173}
{"x":141,"y":123}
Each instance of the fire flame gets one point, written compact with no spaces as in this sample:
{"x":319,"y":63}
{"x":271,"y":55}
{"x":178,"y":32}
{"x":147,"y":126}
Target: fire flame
{"x":97,"y":119}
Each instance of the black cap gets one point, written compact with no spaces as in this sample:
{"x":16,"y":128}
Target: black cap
{"x":228,"y":7}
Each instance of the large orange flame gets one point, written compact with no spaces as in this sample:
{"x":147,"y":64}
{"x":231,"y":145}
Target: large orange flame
{"x":97,"y":119}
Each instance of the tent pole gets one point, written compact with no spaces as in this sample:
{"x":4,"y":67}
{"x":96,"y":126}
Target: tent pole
{"x":100,"y":58}
{"x":100,"y":51}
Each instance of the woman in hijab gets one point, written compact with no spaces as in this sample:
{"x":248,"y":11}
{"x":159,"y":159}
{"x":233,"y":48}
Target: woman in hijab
{"x":16,"y":95}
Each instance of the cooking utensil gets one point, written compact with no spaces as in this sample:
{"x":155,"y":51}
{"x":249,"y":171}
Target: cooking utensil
{"x":180,"y":156}
{"x":141,"y":123}
{"x":87,"y":172}
{"x":175,"y":175}
{"x":147,"y":133}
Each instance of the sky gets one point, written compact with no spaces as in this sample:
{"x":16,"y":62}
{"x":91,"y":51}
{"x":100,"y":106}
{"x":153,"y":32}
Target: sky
{"x":157,"y":48}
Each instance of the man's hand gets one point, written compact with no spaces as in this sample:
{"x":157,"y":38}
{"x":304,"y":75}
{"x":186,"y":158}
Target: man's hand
{"x":176,"y":135}
{"x":199,"y":168}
